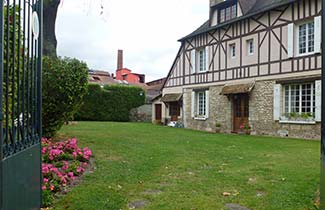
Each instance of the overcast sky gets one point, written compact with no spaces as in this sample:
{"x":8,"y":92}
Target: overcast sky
{"x":147,"y":31}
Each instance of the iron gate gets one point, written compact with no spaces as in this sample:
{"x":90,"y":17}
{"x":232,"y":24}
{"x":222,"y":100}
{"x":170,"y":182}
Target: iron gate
{"x":20,"y":107}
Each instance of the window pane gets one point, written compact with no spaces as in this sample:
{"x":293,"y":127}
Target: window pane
{"x":201,"y":103}
{"x":228,"y":15}
{"x":286,"y":99}
{"x":234,"y":11}
{"x":302,"y":39}
{"x":202,"y":60}
{"x":222,"y":15}
{"x":294,"y":99}
{"x":311,"y":37}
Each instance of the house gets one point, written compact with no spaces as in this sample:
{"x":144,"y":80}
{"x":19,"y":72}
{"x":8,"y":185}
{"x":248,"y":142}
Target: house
{"x":101,"y":78}
{"x":254,"y":63}
{"x":154,"y":88}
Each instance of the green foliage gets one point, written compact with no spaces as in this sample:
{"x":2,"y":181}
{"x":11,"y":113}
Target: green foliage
{"x":64,"y":86}
{"x":296,"y":115}
{"x":111,"y":103}
{"x":13,"y":59}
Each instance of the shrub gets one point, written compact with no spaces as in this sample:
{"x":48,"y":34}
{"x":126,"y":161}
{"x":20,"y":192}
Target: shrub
{"x":111,"y":103}
{"x":64,"y":86}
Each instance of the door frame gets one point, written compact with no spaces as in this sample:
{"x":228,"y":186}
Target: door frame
{"x":234,"y":106}
{"x":158,"y":105}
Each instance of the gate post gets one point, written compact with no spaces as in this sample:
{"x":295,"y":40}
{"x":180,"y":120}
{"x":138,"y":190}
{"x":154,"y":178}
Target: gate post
{"x":39,"y":86}
{"x":1,"y":98}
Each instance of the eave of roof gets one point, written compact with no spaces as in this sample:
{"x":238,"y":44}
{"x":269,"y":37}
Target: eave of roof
{"x":205,"y":27}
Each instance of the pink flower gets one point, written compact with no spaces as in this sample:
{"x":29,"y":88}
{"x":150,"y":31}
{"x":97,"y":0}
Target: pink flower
{"x":84,"y":164}
{"x":52,"y":187}
{"x":43,"y":187}
{"x":45,"y":180}
{"x":70,"y":174}
{"x":65,"y":167}
{"x":80,"y":170}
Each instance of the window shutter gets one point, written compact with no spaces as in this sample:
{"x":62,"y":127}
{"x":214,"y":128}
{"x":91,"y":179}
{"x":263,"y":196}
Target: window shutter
{"x":193,"y":59}
{"x":290,"y":40}
{"x":193,"y":105}
{"x":318,"y":102}
{"x":207,"y":103}
{"x":207,"y":58}
{"x":318,"y":34}
{"x":276,"y":102}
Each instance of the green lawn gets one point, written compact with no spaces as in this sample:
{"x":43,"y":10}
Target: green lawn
{"x":181,"y":169}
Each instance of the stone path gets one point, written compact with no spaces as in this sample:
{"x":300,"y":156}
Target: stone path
{"x":138,"y":204}
{"x":233,"y":206}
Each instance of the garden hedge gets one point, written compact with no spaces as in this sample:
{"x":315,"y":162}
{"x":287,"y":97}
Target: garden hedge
{"x":111,"y":103}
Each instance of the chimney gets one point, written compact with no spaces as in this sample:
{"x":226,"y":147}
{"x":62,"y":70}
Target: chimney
{"x":119,"y":59}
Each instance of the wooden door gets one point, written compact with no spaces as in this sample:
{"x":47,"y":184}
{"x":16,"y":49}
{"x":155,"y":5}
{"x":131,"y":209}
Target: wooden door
{"x":240,"y":111}
{"x":158,"y":112}
{"x":174,"y":111}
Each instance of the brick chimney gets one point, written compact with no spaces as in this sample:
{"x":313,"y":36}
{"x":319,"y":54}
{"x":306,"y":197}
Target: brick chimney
{"x":119,"y":59}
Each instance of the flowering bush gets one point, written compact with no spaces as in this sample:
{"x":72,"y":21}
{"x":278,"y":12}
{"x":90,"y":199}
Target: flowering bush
{"x":62,"y":162}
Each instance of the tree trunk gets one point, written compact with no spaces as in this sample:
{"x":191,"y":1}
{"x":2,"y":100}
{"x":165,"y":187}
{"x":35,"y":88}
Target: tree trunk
{"x":50,"y":10}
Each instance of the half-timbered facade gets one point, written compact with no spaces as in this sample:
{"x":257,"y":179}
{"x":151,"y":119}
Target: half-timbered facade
{"x":254,"y":63}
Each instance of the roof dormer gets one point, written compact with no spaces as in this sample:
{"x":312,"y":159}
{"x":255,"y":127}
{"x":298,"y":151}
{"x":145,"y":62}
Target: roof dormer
{"x":224,"y":10}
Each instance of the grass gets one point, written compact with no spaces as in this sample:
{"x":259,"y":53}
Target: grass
{"x":183,"y":169}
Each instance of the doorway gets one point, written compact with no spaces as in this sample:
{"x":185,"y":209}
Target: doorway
{"x":158,"y":112}
{"x":240,"y":111}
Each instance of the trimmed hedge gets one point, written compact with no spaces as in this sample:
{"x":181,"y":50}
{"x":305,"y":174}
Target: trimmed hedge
{"x":111,"y":103}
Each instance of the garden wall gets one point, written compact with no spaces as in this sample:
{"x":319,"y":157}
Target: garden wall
{"x":141,"y":114}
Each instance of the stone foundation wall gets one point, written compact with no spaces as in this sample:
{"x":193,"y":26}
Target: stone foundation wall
{"x":260,"y":114}
{"x":141,"y":114}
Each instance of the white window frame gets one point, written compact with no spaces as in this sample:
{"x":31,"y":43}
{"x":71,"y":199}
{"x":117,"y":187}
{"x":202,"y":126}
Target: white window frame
{"x":201,"y":64}
{"x":250,"y":47}
{"x":307,"y":38}
{"x":200,"y":104}
{"x":312,"y":102}
{"x":203,"y":114}
{"x":232,"y":50}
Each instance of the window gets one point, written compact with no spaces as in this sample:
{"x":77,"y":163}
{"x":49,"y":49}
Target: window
{"x":306,"y":38}
{"x":202,"y":60}
{"x":299,"y":100}
{"x":201,"y":103}
{"x":233,"y":50}
{"x":250,"y":47}
{"x":227,"y":13}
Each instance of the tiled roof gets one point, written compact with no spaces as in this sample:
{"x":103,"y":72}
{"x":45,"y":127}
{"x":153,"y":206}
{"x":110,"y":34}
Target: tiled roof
{"x":238,"y":88}
{"x":249,"y":7}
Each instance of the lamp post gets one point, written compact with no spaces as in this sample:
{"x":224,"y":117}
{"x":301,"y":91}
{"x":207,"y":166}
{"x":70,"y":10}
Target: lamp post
{"x":322,"y":180}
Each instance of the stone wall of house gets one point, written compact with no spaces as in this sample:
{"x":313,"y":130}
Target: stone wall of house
{"x":141,"y":114}
{"x":260,"y":114}
{"x":220,"y":111}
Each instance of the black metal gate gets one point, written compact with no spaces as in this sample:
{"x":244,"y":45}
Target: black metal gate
{"x":20,"y":107}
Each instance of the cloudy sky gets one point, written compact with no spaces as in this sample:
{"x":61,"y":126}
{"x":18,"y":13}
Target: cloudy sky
{"x":147,"y":31}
